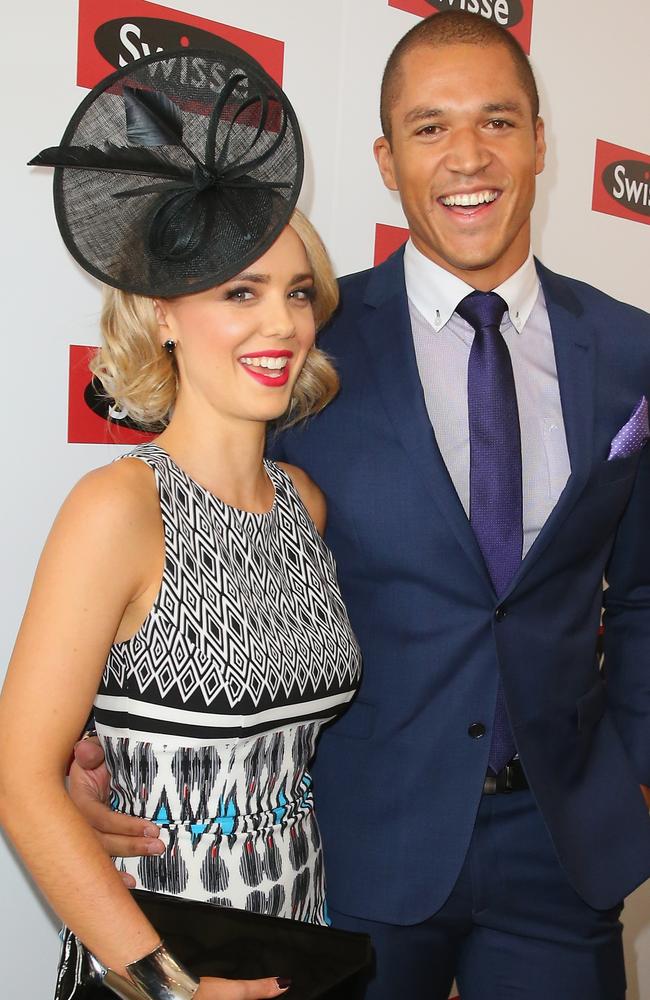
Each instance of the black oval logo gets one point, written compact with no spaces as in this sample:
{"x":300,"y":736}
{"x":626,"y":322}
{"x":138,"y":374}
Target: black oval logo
{"x":124,"y":40}
{"x":103,"y":406}
{"x":507,"y":13}
{"x":628,"y":181}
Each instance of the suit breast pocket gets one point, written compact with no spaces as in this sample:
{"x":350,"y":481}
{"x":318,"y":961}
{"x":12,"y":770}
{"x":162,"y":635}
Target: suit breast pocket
{"x":616,"y":470}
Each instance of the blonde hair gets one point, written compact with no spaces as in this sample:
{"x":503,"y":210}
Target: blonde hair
{"x":142,"y":378}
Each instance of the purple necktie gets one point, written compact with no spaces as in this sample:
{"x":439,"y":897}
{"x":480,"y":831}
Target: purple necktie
{"x":495,"y":468}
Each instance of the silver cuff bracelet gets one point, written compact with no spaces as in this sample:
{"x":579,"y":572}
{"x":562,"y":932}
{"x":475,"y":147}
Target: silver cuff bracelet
{"x":160,"y":977}
{"x":121,"y":987}
{"x":157,"y":976}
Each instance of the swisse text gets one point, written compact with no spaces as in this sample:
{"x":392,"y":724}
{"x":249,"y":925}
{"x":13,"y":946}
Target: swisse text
{"x":131,"y":41}
{"x":503,"y":12}
{"x":196,"y":73}
{"x":122,"y":41}
{"x":629,"y":182}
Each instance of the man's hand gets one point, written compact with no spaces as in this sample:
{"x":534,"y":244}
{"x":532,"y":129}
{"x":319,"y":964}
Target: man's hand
{"x":120,"y":836}
{"x":646,"y":794}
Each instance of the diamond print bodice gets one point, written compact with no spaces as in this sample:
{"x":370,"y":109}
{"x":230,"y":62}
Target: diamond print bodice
{"x":248,"y":628}
{"x":210,"y":713}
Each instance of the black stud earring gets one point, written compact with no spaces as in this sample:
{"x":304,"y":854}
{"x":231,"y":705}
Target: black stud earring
{"x":170,"y":346}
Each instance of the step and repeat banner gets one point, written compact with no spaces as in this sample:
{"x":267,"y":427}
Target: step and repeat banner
{"x":591,"y":220}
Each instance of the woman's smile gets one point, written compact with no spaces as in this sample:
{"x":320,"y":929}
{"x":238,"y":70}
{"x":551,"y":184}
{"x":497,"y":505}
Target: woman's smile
{"x":270,"y":368}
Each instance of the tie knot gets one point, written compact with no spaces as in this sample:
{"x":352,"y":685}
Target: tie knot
{"x":482,"y":309}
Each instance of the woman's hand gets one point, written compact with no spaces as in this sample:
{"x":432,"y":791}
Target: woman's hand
{"x":241,"y":989}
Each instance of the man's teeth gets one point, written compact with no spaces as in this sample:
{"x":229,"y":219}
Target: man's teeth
{"x":476,"y":198}
{"x":278,"y":363}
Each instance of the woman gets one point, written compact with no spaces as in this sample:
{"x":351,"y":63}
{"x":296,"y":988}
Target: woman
{"x":184,"y":590}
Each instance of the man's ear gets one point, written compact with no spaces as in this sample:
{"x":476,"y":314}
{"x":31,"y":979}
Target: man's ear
{"x":384,"y":157}
{"x":540,"y":146}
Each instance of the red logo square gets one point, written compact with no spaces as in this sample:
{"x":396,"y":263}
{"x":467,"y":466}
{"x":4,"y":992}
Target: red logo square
{"x":86,"y":424}
{"x":622,"y":182}
{"x":387,"y":240}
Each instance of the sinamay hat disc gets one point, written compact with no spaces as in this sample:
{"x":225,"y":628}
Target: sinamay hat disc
{"x":177,"y":172}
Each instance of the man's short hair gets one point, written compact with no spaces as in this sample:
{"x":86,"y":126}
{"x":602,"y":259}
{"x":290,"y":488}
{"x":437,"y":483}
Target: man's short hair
{"x":453,"y":28}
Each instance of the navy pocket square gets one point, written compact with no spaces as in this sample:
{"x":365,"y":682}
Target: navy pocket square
{"x":633,"y":435}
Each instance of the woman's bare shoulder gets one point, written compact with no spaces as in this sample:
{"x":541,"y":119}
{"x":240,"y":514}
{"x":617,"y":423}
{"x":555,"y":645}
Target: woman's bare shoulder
{"x":115,"y":504}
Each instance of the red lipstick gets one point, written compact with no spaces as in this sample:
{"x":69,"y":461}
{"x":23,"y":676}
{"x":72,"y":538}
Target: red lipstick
{"x":274,"y":381}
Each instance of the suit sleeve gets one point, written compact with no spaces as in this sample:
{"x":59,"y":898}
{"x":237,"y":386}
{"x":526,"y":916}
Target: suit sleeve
{"x":627,"y":624}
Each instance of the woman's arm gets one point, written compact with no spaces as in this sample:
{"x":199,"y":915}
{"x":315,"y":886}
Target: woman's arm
{"x":96,"y":579}
{"x":93,"y":567}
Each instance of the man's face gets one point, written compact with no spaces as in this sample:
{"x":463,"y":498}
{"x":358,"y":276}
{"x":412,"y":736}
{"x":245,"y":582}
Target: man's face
{"x":464,"y":154}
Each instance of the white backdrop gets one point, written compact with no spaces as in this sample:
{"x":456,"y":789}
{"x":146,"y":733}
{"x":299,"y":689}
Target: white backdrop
{"x":589,"y":56}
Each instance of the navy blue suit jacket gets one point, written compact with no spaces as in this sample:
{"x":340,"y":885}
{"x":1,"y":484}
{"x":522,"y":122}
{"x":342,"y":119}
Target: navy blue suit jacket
{"x":398,"y":778}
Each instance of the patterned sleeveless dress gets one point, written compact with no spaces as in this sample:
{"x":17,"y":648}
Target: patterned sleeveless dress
{"x":209,"y":715}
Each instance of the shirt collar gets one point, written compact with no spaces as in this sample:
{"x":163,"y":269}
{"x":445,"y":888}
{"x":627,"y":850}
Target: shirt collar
{"x":435,"y":292}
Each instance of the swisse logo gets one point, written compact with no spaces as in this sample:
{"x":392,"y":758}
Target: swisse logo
{"x":622,"y":182}
{"x":515,"y":15}
{"x":115,"y":33}
{"x":507,"y":13}
{"x":121,"y":42}
{"x":198,"y":73}
{"x":628,"y":183}
{"x":92,"y":418}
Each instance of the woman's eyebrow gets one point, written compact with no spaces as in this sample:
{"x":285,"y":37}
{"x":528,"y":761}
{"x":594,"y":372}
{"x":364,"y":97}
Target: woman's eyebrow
{"x":252,"y":276}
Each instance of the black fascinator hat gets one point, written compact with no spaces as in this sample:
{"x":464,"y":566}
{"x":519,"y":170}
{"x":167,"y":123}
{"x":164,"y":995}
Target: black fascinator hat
{"x":177,"y":171}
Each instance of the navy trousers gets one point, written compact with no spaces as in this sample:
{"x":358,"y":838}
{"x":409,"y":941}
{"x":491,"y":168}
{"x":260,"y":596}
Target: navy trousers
{"x":512,"y":928}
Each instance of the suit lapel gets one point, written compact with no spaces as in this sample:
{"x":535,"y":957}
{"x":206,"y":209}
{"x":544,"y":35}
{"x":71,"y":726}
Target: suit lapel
{"x":386,"y":331}
{"x":575,"y":362}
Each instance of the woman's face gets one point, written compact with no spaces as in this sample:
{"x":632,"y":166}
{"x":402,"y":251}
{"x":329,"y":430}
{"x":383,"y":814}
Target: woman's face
{"x":240,"y":346}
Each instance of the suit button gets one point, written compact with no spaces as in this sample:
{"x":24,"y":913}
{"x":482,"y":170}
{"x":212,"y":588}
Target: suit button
{"x":476,"y":730}
{"x":500,"y":613}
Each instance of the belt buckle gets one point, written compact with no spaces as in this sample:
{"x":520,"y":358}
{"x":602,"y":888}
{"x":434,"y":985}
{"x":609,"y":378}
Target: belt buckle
{"x":508,"y":773}
{"x":501,"y":782}
{"x":490,"y":784}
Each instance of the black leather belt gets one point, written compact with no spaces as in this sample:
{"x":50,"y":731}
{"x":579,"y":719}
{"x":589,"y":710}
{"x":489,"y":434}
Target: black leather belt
{"x":511,"y":778}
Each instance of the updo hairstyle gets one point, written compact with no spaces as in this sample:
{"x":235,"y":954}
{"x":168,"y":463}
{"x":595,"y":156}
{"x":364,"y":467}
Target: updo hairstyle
{"x":142,"y":378}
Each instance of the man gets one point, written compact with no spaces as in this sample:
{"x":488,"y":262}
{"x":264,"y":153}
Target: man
{"x":484,"y":468}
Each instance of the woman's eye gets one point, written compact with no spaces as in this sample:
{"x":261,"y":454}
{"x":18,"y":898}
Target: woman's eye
{"x":239,"y":294}
{"x":303,"y":294}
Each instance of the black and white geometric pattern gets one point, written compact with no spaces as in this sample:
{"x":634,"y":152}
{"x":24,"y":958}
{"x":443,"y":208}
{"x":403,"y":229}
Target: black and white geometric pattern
{"x":210,"y":713}
{"x":248,"y":628}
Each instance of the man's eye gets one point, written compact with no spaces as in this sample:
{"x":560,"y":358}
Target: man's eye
{"x":429,"y":130}
{"x":498,"y":124}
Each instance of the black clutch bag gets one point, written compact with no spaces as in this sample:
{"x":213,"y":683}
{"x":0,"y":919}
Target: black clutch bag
{"x":323,"y":963}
